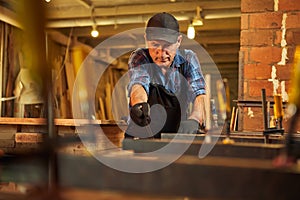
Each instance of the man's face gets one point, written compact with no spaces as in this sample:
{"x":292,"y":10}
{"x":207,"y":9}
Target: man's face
{"x":163,"y":52}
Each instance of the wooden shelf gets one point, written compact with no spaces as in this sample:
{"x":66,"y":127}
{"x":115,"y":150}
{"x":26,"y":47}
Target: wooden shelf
{"x":57,"y":122}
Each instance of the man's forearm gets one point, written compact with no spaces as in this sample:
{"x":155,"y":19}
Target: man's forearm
{"x":138,"y":95}
{"x":198,"y":111}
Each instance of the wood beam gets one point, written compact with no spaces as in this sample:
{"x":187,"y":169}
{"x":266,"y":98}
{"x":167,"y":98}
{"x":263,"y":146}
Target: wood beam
{"x":136,"y":9}
{"x":110,"y":30}
{"x":10,"y":17}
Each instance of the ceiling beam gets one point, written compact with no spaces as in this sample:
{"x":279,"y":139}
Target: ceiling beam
{"x":133,"y":19}
{"x":138,"y":41}
{"x":137,"y":9}
{"x":216,"y":25}
{"x":10,"y":17}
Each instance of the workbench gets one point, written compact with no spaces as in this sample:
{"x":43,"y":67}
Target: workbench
{"x":210,"y":178}
{"x":242,"y":170}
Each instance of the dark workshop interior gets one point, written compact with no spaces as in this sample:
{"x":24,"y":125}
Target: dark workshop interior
{"x":65,"y":103}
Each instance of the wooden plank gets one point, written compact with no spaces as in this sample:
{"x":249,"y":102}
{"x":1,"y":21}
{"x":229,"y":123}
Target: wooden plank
{"x":22,"y":121}
{"x":75,"y":122}
{"x":239,"y":150}
{"x":29,"y":137}
{"x":236,"y":136}
{"x":42,"y":121}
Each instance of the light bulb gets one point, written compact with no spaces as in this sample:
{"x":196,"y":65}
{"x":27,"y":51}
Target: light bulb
{"x":94,"y":32}
{"x":47,"y":1}
{"x":191,"y":32}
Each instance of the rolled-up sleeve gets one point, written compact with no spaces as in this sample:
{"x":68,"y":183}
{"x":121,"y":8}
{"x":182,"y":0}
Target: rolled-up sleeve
{"x":137,"y":70}
{"x":194,"y":74}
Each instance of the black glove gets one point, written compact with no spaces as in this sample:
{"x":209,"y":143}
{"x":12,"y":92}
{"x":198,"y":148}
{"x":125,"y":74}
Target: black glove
{"x":189,"y":126}
{"x":140,"y":114}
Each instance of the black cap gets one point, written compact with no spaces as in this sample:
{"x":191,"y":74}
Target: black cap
{"x":162,"y":26}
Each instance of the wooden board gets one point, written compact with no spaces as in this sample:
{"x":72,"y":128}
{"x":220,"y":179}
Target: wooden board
{"x":29,"y":137}
{"x":43,"y":121}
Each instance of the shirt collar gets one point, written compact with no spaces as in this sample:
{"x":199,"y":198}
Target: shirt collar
{"x":178,"y":59}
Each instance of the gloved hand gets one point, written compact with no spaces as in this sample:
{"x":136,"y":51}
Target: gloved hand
{"x":140,"y":114}
{"x":188,"y":126}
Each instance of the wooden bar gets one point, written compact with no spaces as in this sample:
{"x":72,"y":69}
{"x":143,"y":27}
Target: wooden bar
{"x":237,"y":150}
{"x":237,"y":137}
{"x":28,"y":137}
{"x":43,"y":121}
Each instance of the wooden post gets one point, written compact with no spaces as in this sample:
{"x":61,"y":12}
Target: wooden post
{"x":1,"y":61}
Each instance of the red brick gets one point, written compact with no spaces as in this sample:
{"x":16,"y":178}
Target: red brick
{"x":249,"y":72}
{"x":293,"y":36}
{"x":255,"y":87}
{"x":293,"y":20}
{"x":257,"y":5}
{"x":267,"y":55}
{"x":257,"y":71}
{"x":257,"y":37}
{"x":284,"y":72}
{"x":244,"y":21}
{"x":262,"y":71}
{"x":265,"y":20}
{"x":290,"y":55}
{"x":289,"y":5}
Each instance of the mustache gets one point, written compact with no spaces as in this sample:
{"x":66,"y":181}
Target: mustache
{"x":162,"y":58}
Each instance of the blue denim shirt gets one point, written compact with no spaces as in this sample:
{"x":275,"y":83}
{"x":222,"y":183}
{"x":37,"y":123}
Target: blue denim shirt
{"x":142,"y":70}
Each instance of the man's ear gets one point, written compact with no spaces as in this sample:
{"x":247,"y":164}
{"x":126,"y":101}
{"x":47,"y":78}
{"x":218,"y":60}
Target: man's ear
{"x":179,"y":40}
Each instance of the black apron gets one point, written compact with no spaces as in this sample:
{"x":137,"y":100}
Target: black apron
{"x":159,"y":95}
{"x":174,"y":110}
{"x":175,"y":106}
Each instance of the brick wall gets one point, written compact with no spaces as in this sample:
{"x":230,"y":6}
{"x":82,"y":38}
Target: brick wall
{"x":270,"y":30}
